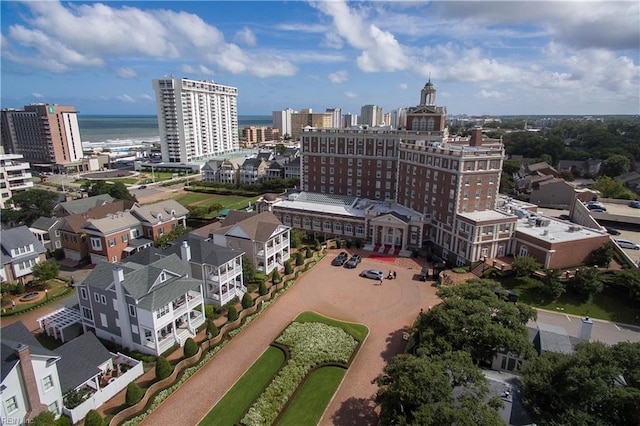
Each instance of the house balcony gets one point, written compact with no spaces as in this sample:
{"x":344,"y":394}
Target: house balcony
{"x":184,"y":304}
{"x":20,"y":185}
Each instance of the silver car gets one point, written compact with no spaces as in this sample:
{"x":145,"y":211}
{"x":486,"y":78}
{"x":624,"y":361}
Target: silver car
{"x":374,"y":274}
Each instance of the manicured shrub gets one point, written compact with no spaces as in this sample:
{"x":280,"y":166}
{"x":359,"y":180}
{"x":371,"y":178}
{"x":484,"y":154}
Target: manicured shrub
{"x":212,"y":328}
{"x":299,"y":259}
{"x":232,"y":314}
{"x":208,"y":311}
{"x":349,"y":244}
{"x":19,"y":288}
{"x":93,"y":418}
{"x":309,"y":253}
{"x":46,"y":418}
{"x":275,"y":277}
{"x":288,"y":269}
{"x":163,"y":368}
{"x":316,"y":245}
{"x":63,"y":421}
{"x":134,"y":394}
{"x":247,"y":301}
{"x":262,"y":290}
{"x":190,"y":348}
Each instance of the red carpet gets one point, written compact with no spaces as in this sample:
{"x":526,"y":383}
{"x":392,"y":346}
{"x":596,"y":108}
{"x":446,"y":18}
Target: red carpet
{"x":383,"y":258}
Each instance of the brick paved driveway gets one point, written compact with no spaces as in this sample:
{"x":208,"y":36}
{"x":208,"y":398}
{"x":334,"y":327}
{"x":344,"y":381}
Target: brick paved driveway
{"x":388,"y":310}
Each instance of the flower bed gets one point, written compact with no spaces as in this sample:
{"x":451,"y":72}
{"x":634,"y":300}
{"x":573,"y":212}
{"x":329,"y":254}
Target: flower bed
{"x":310,"y":344}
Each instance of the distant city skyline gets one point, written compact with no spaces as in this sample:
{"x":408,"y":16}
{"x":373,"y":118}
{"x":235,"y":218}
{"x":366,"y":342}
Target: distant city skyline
{"x":496,"y":58}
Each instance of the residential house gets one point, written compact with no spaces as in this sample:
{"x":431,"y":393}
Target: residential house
{"x":275,"y":170}
{"x":540,"y":168}
{"x":225,"y":171}
{"x":81,"y":205}
{"x":47,"y":229}
{"x":160,"y":218}
{"x":108,"y":237}
{"x":21,"y":250}
{"x":73,"y":236}
{"x":146,"y":308}
{"x":210,"y":171}
{"x":30,"y":381}
{"x":35,"y":379}
{"x":219,"y":267}
{"x":253,"y":170}
{"x":559,"y":194}
{"x":590,"y":167}
{"x":292,"y":169}
{"x":261,"y":236}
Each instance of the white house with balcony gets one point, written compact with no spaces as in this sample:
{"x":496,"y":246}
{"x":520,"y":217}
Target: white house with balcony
{"x":147,"y":308}
{"x":20,"y":251}
{"x":15,"y":176}
{"x":261,"y":236}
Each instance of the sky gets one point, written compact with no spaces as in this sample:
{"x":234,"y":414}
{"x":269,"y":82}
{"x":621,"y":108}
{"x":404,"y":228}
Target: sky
{"x":496,"y":58}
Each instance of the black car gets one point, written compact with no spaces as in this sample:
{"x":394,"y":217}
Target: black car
{"x":340,"y":259}
{"x":612,"y":231}
{"x":353,"y":262}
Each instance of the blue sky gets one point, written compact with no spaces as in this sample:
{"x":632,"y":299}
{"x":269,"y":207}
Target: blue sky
{"x":500,"y":57}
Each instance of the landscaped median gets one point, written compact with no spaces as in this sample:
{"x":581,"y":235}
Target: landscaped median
{"x":318,"y":351}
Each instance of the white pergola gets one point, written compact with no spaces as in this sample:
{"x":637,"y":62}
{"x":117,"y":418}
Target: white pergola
{"x":56,"y":321}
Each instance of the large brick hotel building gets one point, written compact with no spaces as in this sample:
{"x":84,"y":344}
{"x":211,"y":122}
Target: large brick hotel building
{"x":401,"y":189}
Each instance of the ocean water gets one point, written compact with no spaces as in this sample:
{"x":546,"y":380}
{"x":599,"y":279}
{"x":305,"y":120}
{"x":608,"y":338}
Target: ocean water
{"x":127,"y":130}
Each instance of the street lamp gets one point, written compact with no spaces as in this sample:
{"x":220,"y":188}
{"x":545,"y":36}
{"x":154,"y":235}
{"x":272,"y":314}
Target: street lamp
{"x":46,"y":292}
{"x":484,"y":263}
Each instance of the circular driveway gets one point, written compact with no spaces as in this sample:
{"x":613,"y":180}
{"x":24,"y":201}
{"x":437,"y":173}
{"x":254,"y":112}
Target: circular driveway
{"x":388,"y":310}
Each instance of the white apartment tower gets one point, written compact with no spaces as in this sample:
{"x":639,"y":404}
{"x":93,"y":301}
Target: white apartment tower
{"x":336,"y":121}
{"x":282,"y":120}
{"x":371,"y":115}
{"x":197,"y":119}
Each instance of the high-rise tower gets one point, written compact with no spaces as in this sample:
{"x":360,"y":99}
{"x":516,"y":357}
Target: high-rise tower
{"x":197,"y":119}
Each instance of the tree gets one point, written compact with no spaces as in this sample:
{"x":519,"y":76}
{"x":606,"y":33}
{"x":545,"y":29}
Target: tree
{"x":134,"y":394}
{"x":308,"y":253}
{"x":44,"y":271}
{"x":164,"y":241}
{"x":474,"y":319}
{"x":584,"y":385}
{"x":232,"y":314}
{"x":262,"y":288}
{"x":275,"y":277}
{"x":163,"y":368}
{"x":288,"y":269}
{"x":247,"y":301}
{"x":45,"y":418}
{"x":30,"y":205}
{"x":616,"y":165}
{"x":612,"y":188}
{"x":248,"y":269}
{"x":316,"y":245}
{"x":420,"y":391}
{"x":296,"y":238}
{"x":525,"y":265}
{"x":588,"y":282}
{"x":280,"y":148}
{"x":212,"y":328}
{"x":116,"y":189}
{"x":552,"y":285}
{"x":190,"y":348}
{"x":299,"y":259}
{"x":93,"y":418}
{"x":603,"y":255}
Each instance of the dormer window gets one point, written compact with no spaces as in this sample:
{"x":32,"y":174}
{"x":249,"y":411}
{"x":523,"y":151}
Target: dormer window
{"x":163,"y":277}
{"x":159,"y":216}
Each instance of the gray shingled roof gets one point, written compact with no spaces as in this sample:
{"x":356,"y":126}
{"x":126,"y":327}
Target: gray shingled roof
{"x":149,"y":213}
{"x":44,"y":223}
{"x":18,"y":237}
{"x":14,"y":335}
{"x":80,"y":360}
{"x":82,"y":205}
{"x":554,"y":339}
{"x":204,"y":251}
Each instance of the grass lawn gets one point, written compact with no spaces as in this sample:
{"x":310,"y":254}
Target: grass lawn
{"x":56,"y":288}
{"x":613,"y":304}
{"x":358,"y":331}
{"x":314,"y":396}
{"x":192,"y":198}
{"x":229,"y":410}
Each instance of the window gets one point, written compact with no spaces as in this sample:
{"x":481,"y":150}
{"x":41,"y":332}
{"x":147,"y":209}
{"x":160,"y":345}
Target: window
{"x":103,"y":320}
{"x":53,"y":407}
{"x":86,"y":312}
{"x":11,"y":404}
{"x":348,"y":228}
{"x":134,"y":329}
{"x":160,"y":231}
{"x":162,"y":311}
{"x":96,"y":244}
{"x":132,"y":311}
{"x":327,"y":226}
{"x":114,"y":259}
{"x":96,"y":297}
{"x":83,"y":293}
{"x":47,"y":383}
{"x":103,"y":299}
{"x":112,"y":242}
{"x":125,"y":238}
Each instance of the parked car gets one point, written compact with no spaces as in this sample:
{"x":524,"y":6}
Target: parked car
{"x":340,"y":259}
{"x":353,"y":262}
{"x":598,"y":210}
{"x":596,"y":206}
{"x":564,"y":217}
{"x":372,"y":273}
{"x":142,"y":187}
{"x":612,"y":231}
{"x":635,"y":204}
{"x":628,"y":244}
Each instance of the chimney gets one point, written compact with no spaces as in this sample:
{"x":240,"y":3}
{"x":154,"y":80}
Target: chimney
{"x":476,"y":137}
{"x":118,"y":275}
{"x":30,"y":383}
{"x":586,"y":324}
{"x":185,"y":254}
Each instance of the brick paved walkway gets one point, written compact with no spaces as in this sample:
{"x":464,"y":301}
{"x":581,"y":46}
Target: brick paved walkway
{"x":388,"y":310}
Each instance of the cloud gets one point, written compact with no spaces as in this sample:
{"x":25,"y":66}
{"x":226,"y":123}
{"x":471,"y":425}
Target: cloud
{"x":339,"y":77}
{"x":350,"y":94}
{"x":146,"y":97}
{"x":245,"y":36}
{"x":489,"y":94}
{"x":403,"y":86}
{"x":126,"y":72}
{"x":60,"y":38}
{"x":301,"y":28}
{"x":37,"y":95}
{"x":331,"y":40}
{"x":125,"y":98}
